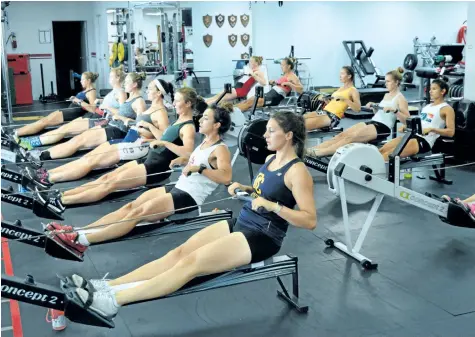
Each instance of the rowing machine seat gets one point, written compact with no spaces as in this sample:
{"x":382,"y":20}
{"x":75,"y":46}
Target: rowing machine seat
{"x":364,"y":156}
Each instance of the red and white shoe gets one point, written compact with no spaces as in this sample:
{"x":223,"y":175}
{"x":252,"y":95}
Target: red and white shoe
{"x":70,"y":240}
{"x":56,"y":226}
{"x":57,"y":319}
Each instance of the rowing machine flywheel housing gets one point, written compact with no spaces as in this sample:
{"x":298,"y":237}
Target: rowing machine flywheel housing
{"x":356,"y":155}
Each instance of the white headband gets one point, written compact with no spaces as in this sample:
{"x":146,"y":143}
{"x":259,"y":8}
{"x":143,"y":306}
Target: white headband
{"x":166,"y":95}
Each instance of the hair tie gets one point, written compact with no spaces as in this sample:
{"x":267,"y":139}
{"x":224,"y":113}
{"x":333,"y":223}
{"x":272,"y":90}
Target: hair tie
{"x":166,"y":95}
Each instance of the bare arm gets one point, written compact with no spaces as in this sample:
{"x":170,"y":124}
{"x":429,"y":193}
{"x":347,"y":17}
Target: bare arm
{"x":301,"y":185}
{"x":403,"y":109}
{"x":354,"y":102}
{"x":187,"y":135}
{"x":296,"y":84}
{"x":449,"y":114}
{"x":91,"y":97}
{"x":223,"y":173}
{"x":260,"y":78}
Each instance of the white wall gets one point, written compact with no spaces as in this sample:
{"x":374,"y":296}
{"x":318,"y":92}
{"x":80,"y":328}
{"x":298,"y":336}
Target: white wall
{"x":218,"y":57}
{"x":317,"y":30}
{"x":469,"y":84}
{"x":26,"y":18}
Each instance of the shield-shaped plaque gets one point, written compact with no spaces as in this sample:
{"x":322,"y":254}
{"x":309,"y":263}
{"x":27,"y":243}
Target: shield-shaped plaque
{"x":232,"y":39}
{"x":245,"y":56}
{"x":244,"y":19}
{"x":245,"y":39}
{"x":220,"y":20}
{"x":232,"y":19}
{"x":207,"y":20}
{"x":208,"y":39}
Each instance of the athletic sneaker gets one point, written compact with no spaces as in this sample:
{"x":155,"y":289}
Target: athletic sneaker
{"x":25,"y":144}
{"x":56,"y":226}
{"x":104,"y":303}
{"x":38,"y":177}
{"x":52,"y":200}
{"x":56,"y":318}
{"x":70,"y":240}
{"x":25,"y":157}
{"x":98,"y":285}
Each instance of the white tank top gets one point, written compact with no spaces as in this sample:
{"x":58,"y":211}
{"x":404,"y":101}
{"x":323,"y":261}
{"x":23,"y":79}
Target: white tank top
{"x":430,"y":118}
{"x":387,"y":118}
{"x":198,"y":186}
{"x":111,"y":99}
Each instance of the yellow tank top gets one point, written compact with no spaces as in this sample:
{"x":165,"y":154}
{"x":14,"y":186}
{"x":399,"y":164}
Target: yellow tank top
{"x":338,"y":108}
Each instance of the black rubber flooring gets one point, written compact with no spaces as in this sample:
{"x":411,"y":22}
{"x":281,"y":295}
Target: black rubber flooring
{"x":424,"y":286}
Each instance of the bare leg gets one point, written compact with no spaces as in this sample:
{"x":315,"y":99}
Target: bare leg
{"x":363,"y":135}
{"x":122,"y":212}
{"x":156,"y":267}
{"x":76,"y":126}
{"x":152,"y":210}
{"x":223,"y":254}
{"x":470,"y":199}
{"x":90,"y":138}
{"x":54,"y":118}
{"x":213,"y":99}
{"x":226,"y":97}
{"x":346,"y":133}
{"x":247,"y":104}
{"x":106,"y":177}
{"x":411,"y":148}
{"x":315,"y":121}
{"x":101,"y":149}
{"x":84,"y":166}
{"x":118,"y":182}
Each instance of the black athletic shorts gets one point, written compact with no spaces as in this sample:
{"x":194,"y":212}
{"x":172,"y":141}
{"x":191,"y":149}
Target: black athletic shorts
{"x":272,"y":98}
{"x":424,"y":146}
{"x":382,"y":130}
{"x":334,"y":119}
{"x":73,"y":112}
{"x":181,"y":199}
{"x":155,"y":163}
{"x":114,"y":133}
{"x":262,"y":246}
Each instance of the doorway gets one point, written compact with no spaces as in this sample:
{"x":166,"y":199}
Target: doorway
{"x":70,"y":55}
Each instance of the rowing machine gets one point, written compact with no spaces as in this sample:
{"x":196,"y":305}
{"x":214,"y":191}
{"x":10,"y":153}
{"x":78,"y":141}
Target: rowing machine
{"x":64,"y":298}
{"x":357,"y":174}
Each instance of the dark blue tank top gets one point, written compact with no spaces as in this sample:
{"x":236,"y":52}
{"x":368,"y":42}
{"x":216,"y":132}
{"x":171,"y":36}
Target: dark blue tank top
{"x":271,"y":186}
{"x":82,"y":95}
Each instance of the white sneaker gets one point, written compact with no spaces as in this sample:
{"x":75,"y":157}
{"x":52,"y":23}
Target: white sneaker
{"x":99,"y":285}
{"x":103,"y":303}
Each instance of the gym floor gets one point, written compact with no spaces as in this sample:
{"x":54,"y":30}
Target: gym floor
{"x":424,"y":285}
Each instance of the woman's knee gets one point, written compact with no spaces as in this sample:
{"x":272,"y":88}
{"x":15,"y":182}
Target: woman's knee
{"x":190,"y":262}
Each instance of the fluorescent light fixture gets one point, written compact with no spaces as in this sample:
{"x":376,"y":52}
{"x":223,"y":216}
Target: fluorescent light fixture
{"x":110,"y":11}
{"x":154,"y":14}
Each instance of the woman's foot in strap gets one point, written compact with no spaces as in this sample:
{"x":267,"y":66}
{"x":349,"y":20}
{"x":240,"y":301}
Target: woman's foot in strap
{"x":103,"y":303}
{"x":91,"y":285}
{"x":70,"y":240}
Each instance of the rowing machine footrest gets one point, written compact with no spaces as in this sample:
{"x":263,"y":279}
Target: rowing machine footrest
{"x":44,"y":212}
{"x":60,"y":251}
{"x":74,"y":310}
{"x":457,"y":216}
{"x":441,"y":180}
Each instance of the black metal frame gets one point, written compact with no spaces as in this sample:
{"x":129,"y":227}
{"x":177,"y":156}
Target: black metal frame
{"x":356,"y":64}
{"x":65,"y":298}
